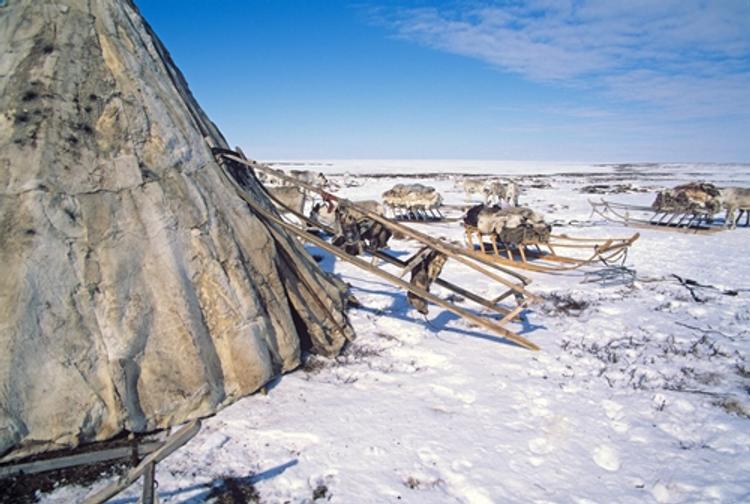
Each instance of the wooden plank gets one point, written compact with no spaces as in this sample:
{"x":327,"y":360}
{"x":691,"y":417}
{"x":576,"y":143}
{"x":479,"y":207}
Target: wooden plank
{"x":502,"y":296}
{"x":172,"y":443}
{"x":491,"y":325}
{"x":149,"y":484}
{"x":93,"y":457}
{"x":510,"y":316}
{"x":594,"y":241}
{"x":537,"y":266}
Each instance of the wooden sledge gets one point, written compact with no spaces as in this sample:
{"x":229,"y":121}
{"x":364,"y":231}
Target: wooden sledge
{"x":648,"y":218}
{"x":560,"y":253}
{"x":513,"y":281}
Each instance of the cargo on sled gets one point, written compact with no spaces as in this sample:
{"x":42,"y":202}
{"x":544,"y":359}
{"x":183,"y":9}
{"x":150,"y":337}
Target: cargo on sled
{"x":519,"y":237}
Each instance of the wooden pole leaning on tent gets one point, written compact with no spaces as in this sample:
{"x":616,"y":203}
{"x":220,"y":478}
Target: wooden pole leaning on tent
{"x":523,"y":297}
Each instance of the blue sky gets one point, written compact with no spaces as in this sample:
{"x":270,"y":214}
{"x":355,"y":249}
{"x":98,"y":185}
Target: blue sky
{"x":665,"y":80}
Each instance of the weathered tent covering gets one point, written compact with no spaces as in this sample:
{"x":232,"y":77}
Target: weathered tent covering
{"x":137,"y":290}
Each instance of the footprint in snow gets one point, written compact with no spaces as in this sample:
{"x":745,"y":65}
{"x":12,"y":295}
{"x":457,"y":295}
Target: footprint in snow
{"x":614,"y":412}
{"x":607,"y":458}
{"x":540,"y":446}
{"x":424,"y":358}
{"x":459,"y":466}
{"x":536,"y":461}
{"x":428,"y":456}
{"x":619,"y":427}
{"x":406,"y":333}
{"x":374,"y":451}
{"x":467,"y":397}
{"x":609,"y":310}
{"x":302,"y":439}
{"x":538,"y":407}
{"x":612,"y":409}
{"x":661,"y":493}
{"x":456,"y":482}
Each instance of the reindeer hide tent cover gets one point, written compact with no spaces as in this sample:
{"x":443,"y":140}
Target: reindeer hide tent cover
{"x":138,"y":291}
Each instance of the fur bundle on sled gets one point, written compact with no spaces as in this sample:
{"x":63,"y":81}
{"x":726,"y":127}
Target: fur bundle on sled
{"x":694,"y":197}
{"x":511,"y":225}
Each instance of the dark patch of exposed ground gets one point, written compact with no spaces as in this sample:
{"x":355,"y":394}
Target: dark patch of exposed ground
{"x":231,"y":490}
{"x":26,"y":488}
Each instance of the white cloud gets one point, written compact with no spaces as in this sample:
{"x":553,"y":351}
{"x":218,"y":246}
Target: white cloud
{"x":687,"y":57}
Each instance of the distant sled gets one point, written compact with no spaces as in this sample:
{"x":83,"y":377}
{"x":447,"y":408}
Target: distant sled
{"x":413,"y":202}
{"x":688,"y":207}
{"x":648,"y":217}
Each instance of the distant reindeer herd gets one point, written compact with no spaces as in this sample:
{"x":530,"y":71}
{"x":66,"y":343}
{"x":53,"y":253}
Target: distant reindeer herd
{"x":420,"y":202}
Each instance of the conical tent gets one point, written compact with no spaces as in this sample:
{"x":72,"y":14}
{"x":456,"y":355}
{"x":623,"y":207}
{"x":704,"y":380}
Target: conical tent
{"x":137,"y":290}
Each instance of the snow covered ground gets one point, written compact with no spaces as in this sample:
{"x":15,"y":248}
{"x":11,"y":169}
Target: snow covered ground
{"x":641,"y":392}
